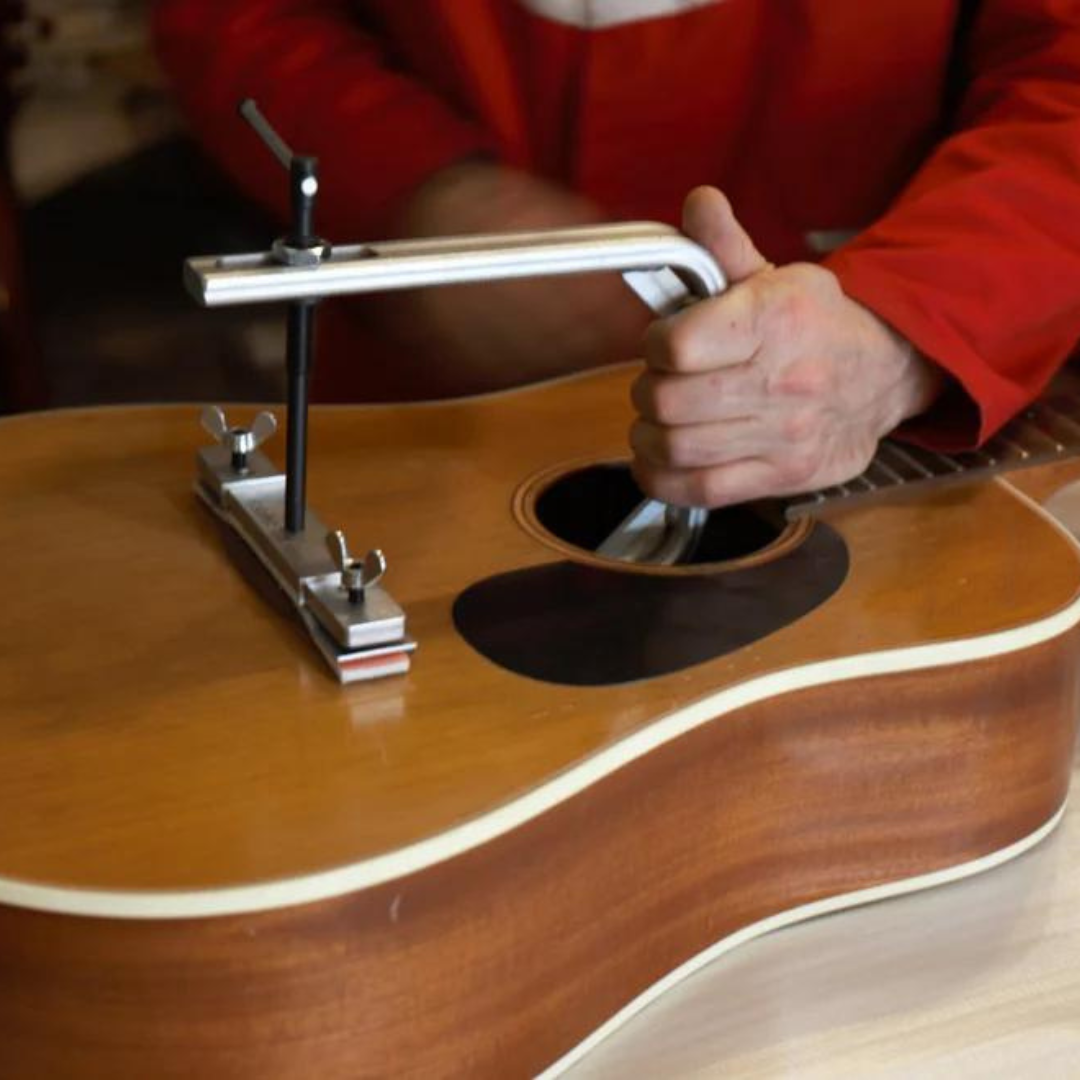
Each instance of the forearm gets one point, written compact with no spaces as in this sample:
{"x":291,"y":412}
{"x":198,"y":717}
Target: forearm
{"x":977,"y":262}
{"x":489,"y":336}
{"x":323,"y":82}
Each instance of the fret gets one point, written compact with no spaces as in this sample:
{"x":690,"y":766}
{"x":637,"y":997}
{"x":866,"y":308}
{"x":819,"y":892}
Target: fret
{"x":935,"y":462}
{"x":910,"y":459}
{"x":1047,"y":430}
{"x":982,"y":459}
{"x":892,"y":477}
{"x":857,"y":485}
{"x":1012,"y":446}
{"x":1058,"y":420}
{"x":803,"y":504}
{"x":893,"y":457}
{"x":939,"y":458}
{"x":1027,"y":425}
{"x":864,"y":482}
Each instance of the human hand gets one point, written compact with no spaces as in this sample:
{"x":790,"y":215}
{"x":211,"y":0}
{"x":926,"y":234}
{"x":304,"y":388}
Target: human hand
{"x":780,"y":385}
{"x":510,"y":332}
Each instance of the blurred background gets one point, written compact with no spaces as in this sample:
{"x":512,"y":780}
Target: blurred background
{"x":102,"y":196}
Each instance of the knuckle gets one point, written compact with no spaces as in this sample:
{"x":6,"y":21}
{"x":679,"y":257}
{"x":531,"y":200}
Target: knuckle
{"x":708,"y":488}
{"x":666,"y":401}
{"x":656,"y":344}
{"x":802,"y":425}
{"x":645,"y":477}
{"x":795,"y":472}
{"x":805,"y":379}
{"x":680,"y":448}
{"x":654,"y":397}
{"x":816,"y":280}
{"x":682,"y":340}
{"x":639,"y":438}
{"x":642,"y":396}
{"x":650,"y":443}
{"x":787,"y":311}
{"x":716,"y":487}
{"x":756,"y":308}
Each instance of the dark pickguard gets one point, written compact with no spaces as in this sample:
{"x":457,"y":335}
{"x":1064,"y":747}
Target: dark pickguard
{"x":579,"y":626}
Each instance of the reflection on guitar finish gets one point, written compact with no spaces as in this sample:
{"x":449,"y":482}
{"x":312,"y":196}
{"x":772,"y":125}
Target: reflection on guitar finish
{"x":214,"y":860}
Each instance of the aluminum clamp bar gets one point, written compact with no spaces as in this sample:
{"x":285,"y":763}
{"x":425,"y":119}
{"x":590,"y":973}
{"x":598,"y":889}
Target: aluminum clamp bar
{"x":409,"y":264}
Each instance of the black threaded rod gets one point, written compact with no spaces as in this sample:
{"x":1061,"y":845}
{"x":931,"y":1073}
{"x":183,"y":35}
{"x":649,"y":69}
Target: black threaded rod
{"x":299,"y":342}
{"x":303,"y":187}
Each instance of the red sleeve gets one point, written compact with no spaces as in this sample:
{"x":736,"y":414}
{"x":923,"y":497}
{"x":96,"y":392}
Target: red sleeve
{"x":323,"y":82}
{"x":978,"y":261}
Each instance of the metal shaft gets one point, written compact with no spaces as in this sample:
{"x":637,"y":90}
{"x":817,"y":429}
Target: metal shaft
{"x":273,"y":141}
{"x":299,"y":344}
{"x":304,"y":185}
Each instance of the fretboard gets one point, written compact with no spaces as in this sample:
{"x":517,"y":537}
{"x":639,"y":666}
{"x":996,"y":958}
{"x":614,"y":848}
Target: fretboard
{"x":1044,"y":432}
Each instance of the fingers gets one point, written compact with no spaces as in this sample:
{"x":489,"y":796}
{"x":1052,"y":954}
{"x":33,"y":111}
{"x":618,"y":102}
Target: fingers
{"x":709,"y":219}
{"x":726,"y":329}
{"x":697,"y":446}
{"x":700,"y":398}
{"x":738,"y":398}
{"x":714,"y":333}
{"x":718,"y":485}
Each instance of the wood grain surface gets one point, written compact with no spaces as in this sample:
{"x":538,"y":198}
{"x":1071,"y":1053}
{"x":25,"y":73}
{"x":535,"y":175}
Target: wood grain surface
{"x":163,"y":732}
{"x":977,"y":980}
{"x":501,"y":960}
{"x":163,"y":729}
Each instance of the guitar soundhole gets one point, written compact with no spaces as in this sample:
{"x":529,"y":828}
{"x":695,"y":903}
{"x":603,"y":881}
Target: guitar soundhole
{"x":581,"y":509}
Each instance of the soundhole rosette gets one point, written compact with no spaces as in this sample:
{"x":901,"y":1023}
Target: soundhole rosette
{"x":573,"y":507}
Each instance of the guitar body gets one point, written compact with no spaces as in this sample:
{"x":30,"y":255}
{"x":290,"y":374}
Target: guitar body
{"x":216,"y":861}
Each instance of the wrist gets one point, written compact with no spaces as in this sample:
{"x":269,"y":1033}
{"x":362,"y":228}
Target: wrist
{"x":916,"y":382}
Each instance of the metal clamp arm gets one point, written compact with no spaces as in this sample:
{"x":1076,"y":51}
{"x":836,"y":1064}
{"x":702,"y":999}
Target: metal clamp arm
{"x":662,"y":266}
{"x":640,"y":251}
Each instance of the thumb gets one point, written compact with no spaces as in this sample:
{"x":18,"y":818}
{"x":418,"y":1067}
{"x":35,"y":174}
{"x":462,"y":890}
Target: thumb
{"x":709,"y":219}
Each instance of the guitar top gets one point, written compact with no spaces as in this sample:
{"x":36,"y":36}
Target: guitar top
{"x":170,"y":744}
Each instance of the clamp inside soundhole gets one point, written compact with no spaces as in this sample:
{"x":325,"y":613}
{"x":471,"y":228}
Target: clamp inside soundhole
{"x":579,"y":508}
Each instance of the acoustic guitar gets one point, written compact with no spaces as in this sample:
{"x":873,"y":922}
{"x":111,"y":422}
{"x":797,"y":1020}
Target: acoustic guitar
{"x":217,"y":861}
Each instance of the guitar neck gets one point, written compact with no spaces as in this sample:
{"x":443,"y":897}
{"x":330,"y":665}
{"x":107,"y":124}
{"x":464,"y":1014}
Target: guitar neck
{"x":1046,"y":431}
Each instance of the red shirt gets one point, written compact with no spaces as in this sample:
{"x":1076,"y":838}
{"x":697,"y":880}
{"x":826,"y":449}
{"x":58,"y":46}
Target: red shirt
{"x":813,"y":116}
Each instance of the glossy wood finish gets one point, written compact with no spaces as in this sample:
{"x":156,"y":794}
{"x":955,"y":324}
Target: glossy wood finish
{"x":161,"y":729}
{"x":497,"y":962}
{"x":578,"y":625}
{"x":975,"y":980}
{"x":152,"y":703}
